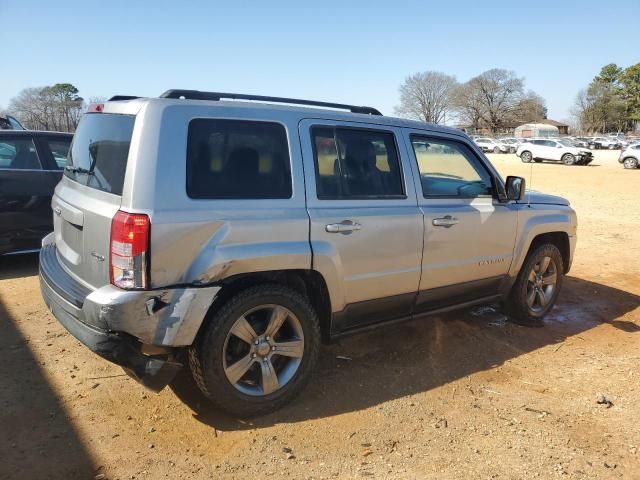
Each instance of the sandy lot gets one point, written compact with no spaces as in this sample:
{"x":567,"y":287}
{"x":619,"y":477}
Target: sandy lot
{"x":459,"y":396}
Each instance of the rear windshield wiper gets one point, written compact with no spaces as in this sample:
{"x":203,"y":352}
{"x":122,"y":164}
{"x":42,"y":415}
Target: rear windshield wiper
{"x":72,"y":169}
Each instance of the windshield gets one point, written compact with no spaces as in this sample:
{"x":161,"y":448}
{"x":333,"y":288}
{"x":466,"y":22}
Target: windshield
{"x":98,"y":155}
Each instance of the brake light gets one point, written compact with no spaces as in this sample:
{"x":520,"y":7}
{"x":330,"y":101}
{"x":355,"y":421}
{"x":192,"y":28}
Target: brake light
{"x":129,"y":249}
{"x":95,"y":108}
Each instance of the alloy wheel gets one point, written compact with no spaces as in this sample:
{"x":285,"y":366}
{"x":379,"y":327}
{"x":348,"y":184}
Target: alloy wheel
{"x":259,"y":364}
{"x":541,"y":284}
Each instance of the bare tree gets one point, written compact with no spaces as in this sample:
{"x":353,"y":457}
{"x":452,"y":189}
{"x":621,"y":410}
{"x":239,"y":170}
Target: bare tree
{"x":530,"y":108}
{"x":57,"y":107}
{"x":499,"y":91}
{"x":426,"y":96}
{"x":469,"y":105}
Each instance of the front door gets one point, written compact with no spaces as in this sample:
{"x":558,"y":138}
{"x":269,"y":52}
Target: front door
{"x":25,"y":194}
{"x":366,"y":228}
{"x":469,"y":235}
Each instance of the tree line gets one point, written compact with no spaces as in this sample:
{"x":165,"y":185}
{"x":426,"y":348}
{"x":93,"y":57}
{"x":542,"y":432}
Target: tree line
{"x":494,"y":100}
{"x":611,"y":102}
{"x":56,"y":108}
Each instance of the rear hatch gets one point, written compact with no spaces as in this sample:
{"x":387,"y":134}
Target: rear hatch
{"x":90,"y":194}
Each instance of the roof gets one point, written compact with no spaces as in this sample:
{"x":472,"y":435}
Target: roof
{"x":537,"y":125}
{"x":548,"y":121}
{"x":33,"y":133}
{"x":133,"y":106}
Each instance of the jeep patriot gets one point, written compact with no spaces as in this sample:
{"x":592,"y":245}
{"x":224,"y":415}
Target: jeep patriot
{"x":231,"y":234}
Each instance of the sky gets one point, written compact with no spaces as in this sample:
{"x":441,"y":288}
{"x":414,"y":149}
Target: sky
{"x":355,"y":52}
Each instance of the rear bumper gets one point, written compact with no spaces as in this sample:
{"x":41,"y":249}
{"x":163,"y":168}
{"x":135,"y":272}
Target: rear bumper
{"x":118,"y":324}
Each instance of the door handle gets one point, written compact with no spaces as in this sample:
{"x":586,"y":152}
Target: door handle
{"x":346,"y":226}
{"x":447,"y":221}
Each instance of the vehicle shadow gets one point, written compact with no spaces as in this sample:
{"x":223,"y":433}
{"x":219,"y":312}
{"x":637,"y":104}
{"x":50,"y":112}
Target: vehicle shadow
{"x":37,"y":437}
{"x":423,"y":354}
{"x":18,"y":266}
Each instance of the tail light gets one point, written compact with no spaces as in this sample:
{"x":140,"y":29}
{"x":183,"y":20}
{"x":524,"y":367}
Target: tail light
{"x":129,"y":249}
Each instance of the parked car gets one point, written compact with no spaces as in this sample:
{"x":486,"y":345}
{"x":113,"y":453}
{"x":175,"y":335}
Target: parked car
{"x":7,"y":122}
{"x":581,"y":142}
{"x":559,"y":150}
{"x":491,"y":145}
{"x":630,"y":157}
{"x":605,"y":143}
{"x":230,"y":237}
{"x":511,"y":144}
{"x":31,"y":165}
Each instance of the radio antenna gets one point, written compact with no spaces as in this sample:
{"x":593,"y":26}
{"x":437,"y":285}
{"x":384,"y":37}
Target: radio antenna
{"x":530,"y":183}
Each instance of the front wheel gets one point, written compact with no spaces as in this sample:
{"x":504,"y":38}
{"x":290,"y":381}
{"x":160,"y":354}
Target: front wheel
{"x":630,"y":163}
{"x":256,"y":353}
{"x":537,"y":287}
{"x":526,"y":156}
{"x":496,"y":149}
{"x":568,"y":159}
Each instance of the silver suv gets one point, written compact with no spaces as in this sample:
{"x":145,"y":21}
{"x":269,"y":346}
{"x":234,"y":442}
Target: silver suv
{"x":232,"y":237}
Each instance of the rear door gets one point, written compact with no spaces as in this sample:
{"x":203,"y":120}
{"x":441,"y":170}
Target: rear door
{"x":469,"y":236}
{"x":366,"y":228}
{"x":26,"y":186}
{"x":84,"y":203}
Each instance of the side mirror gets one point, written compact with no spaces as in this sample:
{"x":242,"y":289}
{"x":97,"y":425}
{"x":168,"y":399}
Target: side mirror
{"x":515,"y":187}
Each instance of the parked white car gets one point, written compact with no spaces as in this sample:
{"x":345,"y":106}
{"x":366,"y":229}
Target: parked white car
{"x":554,"y":150}
{"x":490,"y":145}
{"x":610,"y":143}
{"x":630,"y":157}
{"x":511,"y":144}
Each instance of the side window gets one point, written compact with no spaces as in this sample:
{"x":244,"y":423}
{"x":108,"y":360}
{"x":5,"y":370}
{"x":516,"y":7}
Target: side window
{"x":235,"y":159}
{"x":18,"y":154}
{"x":449,"y":169}
{"x":353,"y":163}
{"x":59,"y":150}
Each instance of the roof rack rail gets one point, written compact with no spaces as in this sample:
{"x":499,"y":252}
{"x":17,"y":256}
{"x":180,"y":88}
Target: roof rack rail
{"x":115,"y":98}
{"x":216,"y":96}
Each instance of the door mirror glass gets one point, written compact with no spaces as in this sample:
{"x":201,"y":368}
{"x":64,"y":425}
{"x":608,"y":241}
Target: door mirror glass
{"x":515,"y":188}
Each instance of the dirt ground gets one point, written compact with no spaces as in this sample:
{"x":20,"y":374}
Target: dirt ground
{"x":464,"y":395}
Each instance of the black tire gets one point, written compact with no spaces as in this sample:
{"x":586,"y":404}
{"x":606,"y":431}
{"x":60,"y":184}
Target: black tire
{"x":630,"y":163}
{"x":206,"y":355}
{"x":496,"y":149}
{"x":518,"y":309}
{"x":526,"y":156}
{"x":568,"y":159}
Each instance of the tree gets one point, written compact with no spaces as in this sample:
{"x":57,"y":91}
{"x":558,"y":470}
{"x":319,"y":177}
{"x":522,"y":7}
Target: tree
{"x":531,"y":108}
{"x":469,"y":105}
{"x":607,"y":103}
{"x":57,"y":107}
{"x":426,"y":96}
{"x":630,"y":91}
{"x":499,"y":91}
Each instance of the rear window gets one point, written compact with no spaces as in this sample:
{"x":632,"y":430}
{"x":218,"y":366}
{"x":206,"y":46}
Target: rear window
{"x":237,"y":159}
{"x":101,"y":146}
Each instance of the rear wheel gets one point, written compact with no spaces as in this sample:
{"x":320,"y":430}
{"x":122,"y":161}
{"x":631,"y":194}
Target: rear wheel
{"x":630,"y":163}
{"x":537,"y":286}
{"x":496,"y":149}
{"x":257,"y":351}
{"x":526,"y":156}
{"x":568,"y":159}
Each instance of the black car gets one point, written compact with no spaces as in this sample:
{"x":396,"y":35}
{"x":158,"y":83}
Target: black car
{"x":7,"y":122}
{"x":31,"y":165}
